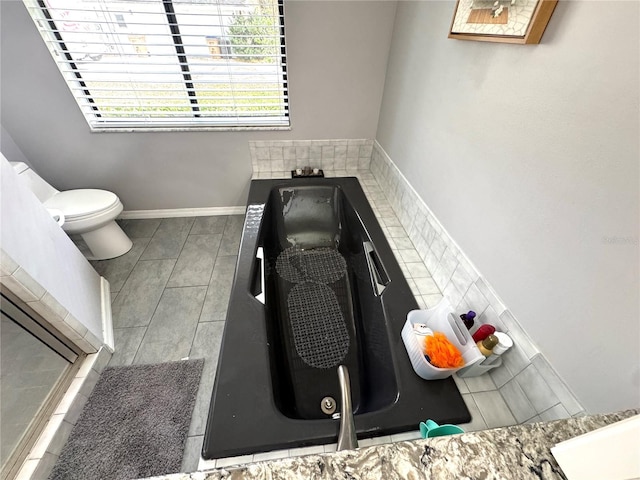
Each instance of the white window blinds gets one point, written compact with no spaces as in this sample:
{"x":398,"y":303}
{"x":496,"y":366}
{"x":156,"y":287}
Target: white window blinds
{"x":154,"y":64}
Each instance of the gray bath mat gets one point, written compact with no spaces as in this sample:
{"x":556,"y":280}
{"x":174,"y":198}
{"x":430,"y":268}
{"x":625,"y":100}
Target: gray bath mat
{"x":134,"y":424}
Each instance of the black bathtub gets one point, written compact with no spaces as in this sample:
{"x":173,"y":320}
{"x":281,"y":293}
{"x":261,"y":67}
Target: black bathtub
{"x":316,"y":285}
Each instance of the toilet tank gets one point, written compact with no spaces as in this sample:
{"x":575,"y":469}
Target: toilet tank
{"x":37,"y":185}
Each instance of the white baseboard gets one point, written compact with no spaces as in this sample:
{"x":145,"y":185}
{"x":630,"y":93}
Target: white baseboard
{"x":183,"y":212}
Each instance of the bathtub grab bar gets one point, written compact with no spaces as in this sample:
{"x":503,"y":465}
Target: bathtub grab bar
{"x":377,"y":273}
{"x":260,"y":256}
{"x":347,"y":439}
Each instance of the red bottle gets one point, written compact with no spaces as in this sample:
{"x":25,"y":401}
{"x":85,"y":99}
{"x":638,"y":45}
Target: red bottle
{"x":483,"y":332}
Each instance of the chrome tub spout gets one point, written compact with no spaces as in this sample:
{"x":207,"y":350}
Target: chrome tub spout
{"x":347,"y":439}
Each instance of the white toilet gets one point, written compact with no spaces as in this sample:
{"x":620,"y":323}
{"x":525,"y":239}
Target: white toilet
{"x":87,"y":212}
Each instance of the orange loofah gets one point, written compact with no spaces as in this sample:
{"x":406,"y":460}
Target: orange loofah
{"x":441,"y":352}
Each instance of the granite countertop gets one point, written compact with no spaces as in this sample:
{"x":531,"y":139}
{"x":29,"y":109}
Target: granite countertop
{"x":517,"y":452}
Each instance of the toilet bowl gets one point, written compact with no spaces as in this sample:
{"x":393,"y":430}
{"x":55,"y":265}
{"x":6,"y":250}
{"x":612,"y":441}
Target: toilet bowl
{"x":89,"y":213}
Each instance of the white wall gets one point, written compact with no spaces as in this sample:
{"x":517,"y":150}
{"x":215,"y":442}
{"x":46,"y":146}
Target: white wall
{"x":529,"y":157}
{"x":337,"y":53}
{"x":47,"y":257}
{"x":9,"y":148}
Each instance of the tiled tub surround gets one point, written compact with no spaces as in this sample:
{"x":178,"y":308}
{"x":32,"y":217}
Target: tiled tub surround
{"x":276,"y":159}
{"x":526,"y":382}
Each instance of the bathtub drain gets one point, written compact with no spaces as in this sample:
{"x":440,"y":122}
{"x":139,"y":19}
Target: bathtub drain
{"x":328,"y":405}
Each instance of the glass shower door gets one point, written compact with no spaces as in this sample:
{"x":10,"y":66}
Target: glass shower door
{"x":33,"y":362}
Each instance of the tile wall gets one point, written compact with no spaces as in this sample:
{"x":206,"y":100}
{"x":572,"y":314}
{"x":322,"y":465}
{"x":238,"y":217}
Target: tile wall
{"x":526,"y":382}
{"x":277,"y":158}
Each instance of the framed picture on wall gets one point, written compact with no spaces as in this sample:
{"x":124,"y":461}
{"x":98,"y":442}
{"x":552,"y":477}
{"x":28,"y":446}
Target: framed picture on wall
{"x":505,"y":21}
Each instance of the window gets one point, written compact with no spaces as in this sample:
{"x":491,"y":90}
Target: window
{"x":170,"y":64}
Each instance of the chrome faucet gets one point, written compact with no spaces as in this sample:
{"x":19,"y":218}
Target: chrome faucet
{"x":347,"y":439}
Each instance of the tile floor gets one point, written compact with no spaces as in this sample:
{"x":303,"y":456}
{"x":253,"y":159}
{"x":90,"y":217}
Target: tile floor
{"x":169,"y":299}
{"x":170,"y":295}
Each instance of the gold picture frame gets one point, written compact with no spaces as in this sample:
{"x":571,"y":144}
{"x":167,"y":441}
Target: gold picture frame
{"x":503,"y":21}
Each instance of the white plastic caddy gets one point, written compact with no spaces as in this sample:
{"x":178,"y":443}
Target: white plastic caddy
{"x":440,"y":318}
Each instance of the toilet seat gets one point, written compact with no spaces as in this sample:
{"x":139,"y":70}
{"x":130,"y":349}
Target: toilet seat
{"x":85,"y":209}
{"x":83,"y":202}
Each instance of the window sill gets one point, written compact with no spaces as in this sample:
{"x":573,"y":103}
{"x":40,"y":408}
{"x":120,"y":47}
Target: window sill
{"x":188,"y":129}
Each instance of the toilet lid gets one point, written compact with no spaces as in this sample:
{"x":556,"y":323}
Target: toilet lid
{"x":75,"y":203}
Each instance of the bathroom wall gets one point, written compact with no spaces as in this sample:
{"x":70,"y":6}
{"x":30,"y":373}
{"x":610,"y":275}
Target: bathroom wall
{"x":9,"y":148}
{"x":337,"y":54}
{"x":42,"y":266}
{"x":528,"y":157}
